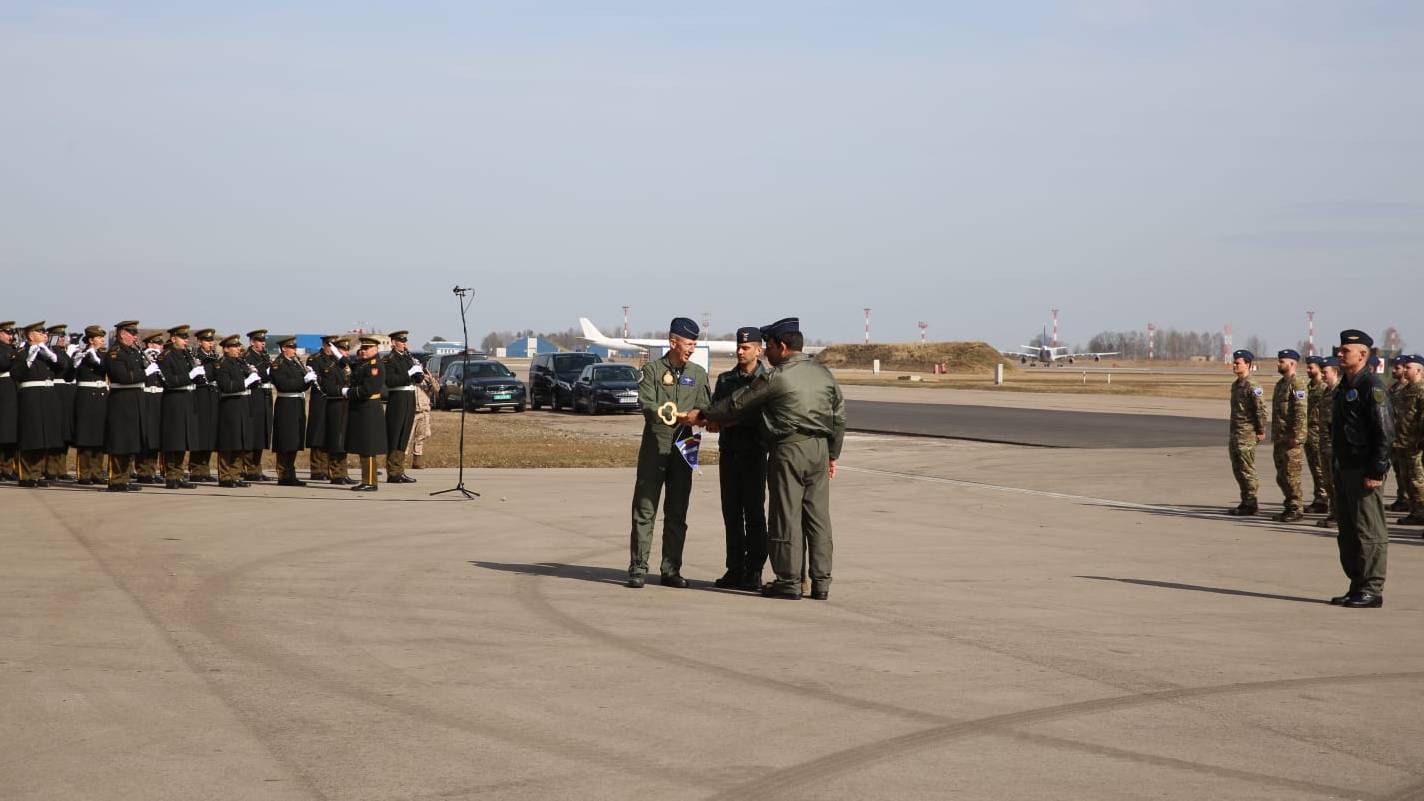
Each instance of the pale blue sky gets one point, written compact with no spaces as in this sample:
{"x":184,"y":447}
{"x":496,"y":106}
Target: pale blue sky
{"x":1186,"y":164}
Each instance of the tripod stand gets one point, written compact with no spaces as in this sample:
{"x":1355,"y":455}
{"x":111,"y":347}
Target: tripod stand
{"x":461,"y":293}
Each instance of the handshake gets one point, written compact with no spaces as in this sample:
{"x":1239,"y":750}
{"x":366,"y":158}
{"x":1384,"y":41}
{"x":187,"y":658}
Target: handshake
{"x":695,"y":417}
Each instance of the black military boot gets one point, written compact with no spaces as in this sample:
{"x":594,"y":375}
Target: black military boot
{"x":1328,"y":522}
{"x":1399,"y":505}
{"x":1244,"y":509}
{"x":1288,"y":516}
{"x":1318,"y":507}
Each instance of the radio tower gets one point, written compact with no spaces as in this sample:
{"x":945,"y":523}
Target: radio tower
{"x":1151,"y":341}
{"x":1055,"y":328}
{"x":1226,"y":343}
{"x":867,"y":325}
{"x":924,"y":326}
{"x":625,"y":321}
{"x":706,"y":324}
{"x":1310,"y":335}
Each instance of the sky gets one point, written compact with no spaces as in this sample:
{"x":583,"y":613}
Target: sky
{"x":970,"y":165}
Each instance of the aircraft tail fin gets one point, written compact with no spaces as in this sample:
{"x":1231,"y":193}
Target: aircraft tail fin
{"x":590,"y":331}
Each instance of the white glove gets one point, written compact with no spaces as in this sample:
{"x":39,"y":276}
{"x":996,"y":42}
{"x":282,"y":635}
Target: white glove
{"x":416,"y":369}
{"x":196,"y":372}
{"x":94,"y":354}
{"x":72,"y":349}
{"x":252,"y":378}
{"x":151,"y":368}
{"x":310,"y":376}
{"x":48,"y":354}
{"x":345,"y":390}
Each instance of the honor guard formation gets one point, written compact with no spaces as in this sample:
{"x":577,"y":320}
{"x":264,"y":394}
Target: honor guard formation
{"x":1341,"y":422}
{"x":155,"y":410}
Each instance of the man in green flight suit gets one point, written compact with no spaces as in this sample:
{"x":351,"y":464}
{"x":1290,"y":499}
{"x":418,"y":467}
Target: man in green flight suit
{"x":668,"y":388}
{"x":804,"y":414}
{"x":1288,"y":433}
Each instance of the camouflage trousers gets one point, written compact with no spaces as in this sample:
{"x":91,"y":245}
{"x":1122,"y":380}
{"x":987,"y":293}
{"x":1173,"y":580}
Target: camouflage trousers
{"x":1410,"y":477}
{"x":1243,"y":465}
{"x":1319,"y":471}
{"x":1288,"y":466}
{"x":1327,"y":473}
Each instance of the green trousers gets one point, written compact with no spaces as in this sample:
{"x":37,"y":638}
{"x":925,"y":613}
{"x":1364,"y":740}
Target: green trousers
{"x":1243,"y":466}
{"x":659,"y":466}
{"x":1364,"y":537}
{"x":798,"y":483}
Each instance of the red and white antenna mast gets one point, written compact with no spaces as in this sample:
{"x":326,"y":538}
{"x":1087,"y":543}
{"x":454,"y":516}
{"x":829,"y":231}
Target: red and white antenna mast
{"x":625,"y":321}
{"x":1226,"y":343}
{"x":1310,"y":335}
{"x":867,"y":325}
{"x":1151,"y":341}
{"x":924,"y":326}
{"x":1055,"y":328}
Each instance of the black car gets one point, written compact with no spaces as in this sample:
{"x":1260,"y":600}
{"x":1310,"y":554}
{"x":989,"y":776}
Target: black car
{"x":487,"y":385}
{"x":552,"y":376}
{"x":601,"y":387}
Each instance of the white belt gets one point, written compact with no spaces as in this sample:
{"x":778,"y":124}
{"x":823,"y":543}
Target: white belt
{"x":68,"y":381}
{"x":33,"y":384}
{"x":291,"y":394}
{"x":93,"y":385}
{"x":237,"y":394}
{"x":188,"y":388}
{"x":126,"y":386}
{"x":154,"y":390}
{"x":406,"y":388}
{"x":264,"y":386}
{"x":5,"y":374}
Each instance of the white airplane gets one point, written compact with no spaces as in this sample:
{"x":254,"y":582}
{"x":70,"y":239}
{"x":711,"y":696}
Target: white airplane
{"x":593,"y":336}
{"x":1047,"y":355}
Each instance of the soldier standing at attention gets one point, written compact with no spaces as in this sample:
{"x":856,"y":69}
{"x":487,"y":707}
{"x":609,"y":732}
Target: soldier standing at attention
{"x":57,"y":463}
{"x":146,"y":465}
{"x":1409,"y":432}
{"x":334,"y":378}
{"x":1401,"y":496}
{"x":261,"y":405}
{"x":1314,"y":396}
{"x":741,"y":471}
{"x":91,"y":396}
{"x":672,"y":379}
{"x":235,"y":378}
{"x":9,"y":402}
{"x":402,"y":371}
{"x":1288,"y":433}
{"x":124,"y":420}
{"x":1362,"y":430}
{"x":205,"y":408}
{"x":1330,"y":371}
{"x":316,"y":413}
{"x":365,"y":421}
{"x":1248,"y":429}
{"x":289,"y":418}
{"x":181,"y":372}
{"x":35,"y":368}
{"x":804,"y":413}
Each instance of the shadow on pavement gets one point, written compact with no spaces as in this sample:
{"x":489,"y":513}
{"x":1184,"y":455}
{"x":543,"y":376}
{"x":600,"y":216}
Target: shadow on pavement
{"x":1172,"y":585}
{"x":593,"y":573}
{"x":1398,"y":535}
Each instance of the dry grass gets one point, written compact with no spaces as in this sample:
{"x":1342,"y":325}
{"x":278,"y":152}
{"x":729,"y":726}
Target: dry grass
{"x":959,"y":357}
{"x":1208,"y":383}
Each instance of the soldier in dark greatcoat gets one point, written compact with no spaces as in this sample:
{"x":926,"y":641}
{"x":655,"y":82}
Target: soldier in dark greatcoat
{"x":181,"y":372}
{"x":402,"y":373}
{"x":316,"y":412}
{"x":235,"y":379}
{"x":334,"y":379}
{"x":57,"y":463}
{"x":260,"y":403}
{"x":146,"y":465}
{"x":205,"y":409}
{"x":91,"y":397}
{"x":124,"y":421}
{"x":366,"y":420}
{"x":289,"y":417}
{"x":9,"y":402}
{"x":40,"y":430}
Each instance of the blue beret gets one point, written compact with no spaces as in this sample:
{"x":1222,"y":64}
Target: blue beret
{"x":1399,"y":361}
{"x":786,"y":325}
{"x":1354,"y":336}
{"x":684,"y":327}
{"x":1318,"y":361}
{"x":1414,"y":358}
{"x":749,"y":333}
{"x":1288,"y":354}
{"x":1330,"y":361}
{"x":1244,"y":355}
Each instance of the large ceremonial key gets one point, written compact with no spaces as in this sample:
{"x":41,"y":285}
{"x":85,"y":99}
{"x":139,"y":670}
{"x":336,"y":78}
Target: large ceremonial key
{"x":668,"y":413}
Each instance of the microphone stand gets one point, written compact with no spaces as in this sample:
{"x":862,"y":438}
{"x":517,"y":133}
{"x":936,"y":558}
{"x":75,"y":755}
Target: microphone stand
{"x":461,"y":293}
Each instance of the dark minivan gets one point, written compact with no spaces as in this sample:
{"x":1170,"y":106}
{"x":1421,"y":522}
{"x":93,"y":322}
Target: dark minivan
{"x":487,"y":384}
{"x":552,"y":375}
{"x":612,"y":387}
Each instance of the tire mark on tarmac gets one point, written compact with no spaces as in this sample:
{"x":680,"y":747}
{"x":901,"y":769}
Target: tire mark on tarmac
{"x":1062,"y":496}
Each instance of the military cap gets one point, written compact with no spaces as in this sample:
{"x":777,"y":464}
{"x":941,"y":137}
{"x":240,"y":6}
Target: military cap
{"x":1318,"y":361}
{"x":1413,"y":358}
{"x":287,"y":342}
{"x":257,"y":334}
{"x":205,"y":334}
{"x":130,"y":326}
{"x":399,"y":336}
{"x":1352,"y":336}
{"x":342,"y":342}
{"x":91,"y":331}
{"x":684,"y":327}
{"x":57,"y":328}
{"x":1398,"y":361}
{"x":1244,"y":355}
{"x":1288,"y":353}
{"x":1330,"y":361}
{"x":327,"y":339}
{"x":155,"y":337}
{"x":183,"y":331}
{"x":748,"y":334}
{"x":8,"y":325}
{"x":370,"y":342}
{"x":39,"y":326}
{"x":786,"y":325}
{"x":232,"y":341}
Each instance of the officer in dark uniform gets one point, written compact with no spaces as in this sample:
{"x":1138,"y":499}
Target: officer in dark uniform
{"x":124,"y":420}
{"x":235,"y":378}
{"x":91,"y":397}
{"x":1362,"y":431}
{"x":57,"y":463}
{"x":205,"y":408}
{"x":741,"y":471}
{"x":366,"y":421}
{"x":146,"y":465}
{"x":9,"y":402}
{"x":316,"y":412}
{"x":402,"y":373}
{"x":289,"y":417}
{"x":35,"y":368}
{"x":334,"y":378}
{"x":181,"y":372}
{"x":261,"y":404}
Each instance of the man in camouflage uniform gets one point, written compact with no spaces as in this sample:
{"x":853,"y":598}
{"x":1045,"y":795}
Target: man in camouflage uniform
{"x":1288,"y":433}
{"x":1408,"y":404}
{"x":1330,"y":375}
{"x":1315,"y":392}
{"x":1401,"y":497}
{"x":1248,"y":429}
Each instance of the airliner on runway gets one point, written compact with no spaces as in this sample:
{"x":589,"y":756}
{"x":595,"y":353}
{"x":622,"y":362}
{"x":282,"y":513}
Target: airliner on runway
{"x":1047,"y":355}
{"x":593,"y":336}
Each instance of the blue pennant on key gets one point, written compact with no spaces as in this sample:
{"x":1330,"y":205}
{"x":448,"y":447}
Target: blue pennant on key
{"x":688,"y":445}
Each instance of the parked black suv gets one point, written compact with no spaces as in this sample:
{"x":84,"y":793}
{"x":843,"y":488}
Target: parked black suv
{"x":551,"y":377}
{"x":606,"y":387}
{"x":487,"y":385}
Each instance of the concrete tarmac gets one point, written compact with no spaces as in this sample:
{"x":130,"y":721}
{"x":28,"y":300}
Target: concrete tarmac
{"x":1043,"y":427}
{"x":1005,"y":623}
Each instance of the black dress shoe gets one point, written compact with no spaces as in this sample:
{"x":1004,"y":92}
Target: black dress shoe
{"x":291,"y":482}
{"x":1288,"y":516}
{"x":774,"y":590}
{"x":201,"y":479}
{"x":400,"y":479}
{"x":728,"y":580}
{"x":318,"y":477}
{"x":174,"y":483}
{"x":364,"y":488}
{"x":1340,"y":600}
{"x":29,"y":483}
{"x":1411,"y":520}
{"x":1328,"y":522}
{"x":64,"y":477}
{"x":1364,"y":600}
{"x":820,"y":595}
{"x":132,"y":488}
{"x":146,"y":479}
{"x":675,"y":581}
{"x":1399,"y":505}
{"x":342,"y":481}
{"x":84,"y":482}
{"x":1318,"y":507}
{"x":259,"y":477}
{"x":749,"y":583}
{"x":117,"y":488}
{"x":635,"y":582}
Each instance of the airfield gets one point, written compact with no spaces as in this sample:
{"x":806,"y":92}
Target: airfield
{"x":1033,"y":598}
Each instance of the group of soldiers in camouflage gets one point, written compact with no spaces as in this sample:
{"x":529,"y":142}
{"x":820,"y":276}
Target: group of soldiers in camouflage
{"x":155,"y":409}
{"x":1349,"y":430}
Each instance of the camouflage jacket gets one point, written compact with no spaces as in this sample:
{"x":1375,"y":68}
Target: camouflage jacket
{"x":1288,"y":411}
{"x":1408,"y":403}
{"x":1315,"y":396}
{"x":1327,"y":412}
{"x":1248,"y":408}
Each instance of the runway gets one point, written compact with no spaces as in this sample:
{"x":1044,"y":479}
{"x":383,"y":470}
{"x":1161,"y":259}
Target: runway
{"x":1048,"y":428}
